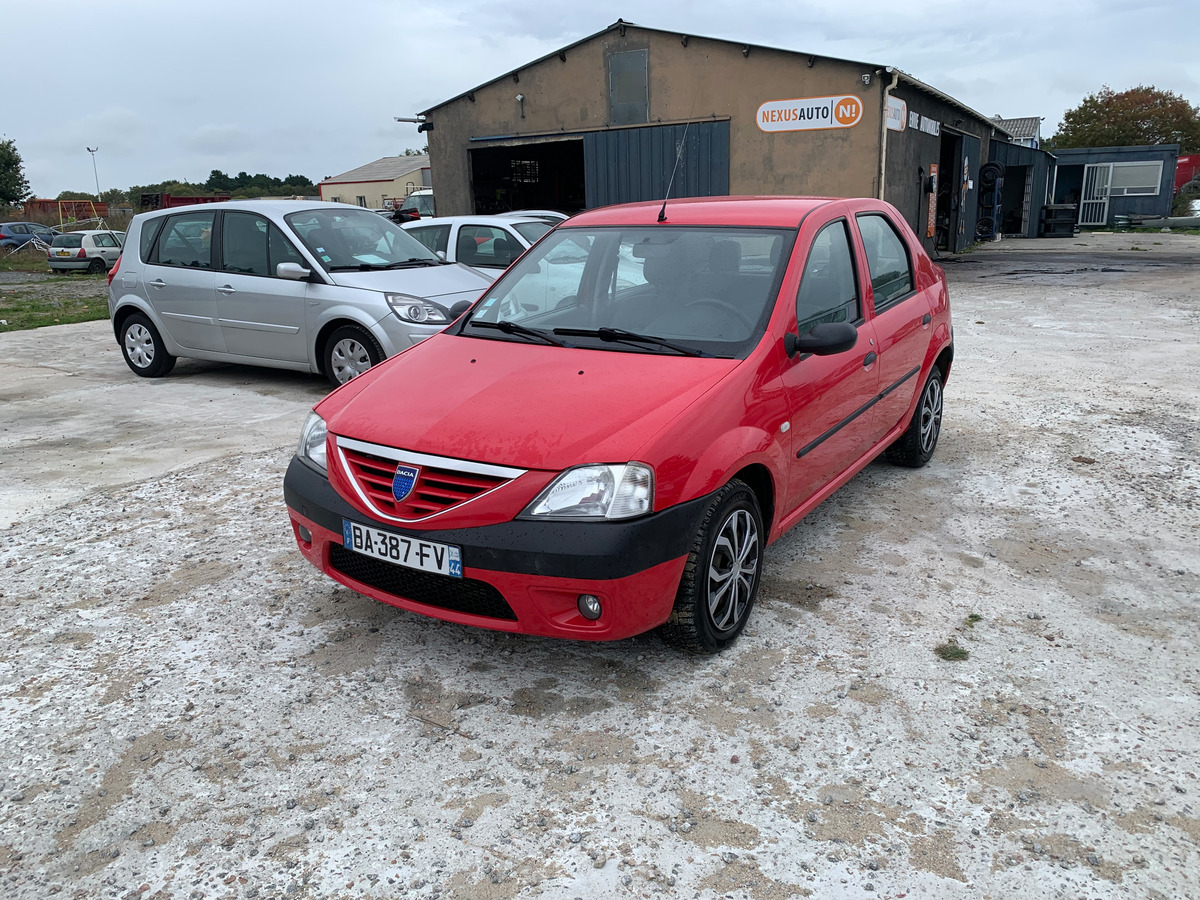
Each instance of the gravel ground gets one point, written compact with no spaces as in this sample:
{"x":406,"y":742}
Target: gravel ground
{"x":189,"y":710}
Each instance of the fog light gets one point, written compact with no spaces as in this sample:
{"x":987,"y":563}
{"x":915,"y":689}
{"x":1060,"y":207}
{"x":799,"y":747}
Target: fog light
{"x":305,"y":534}
{"x":589,"y":606}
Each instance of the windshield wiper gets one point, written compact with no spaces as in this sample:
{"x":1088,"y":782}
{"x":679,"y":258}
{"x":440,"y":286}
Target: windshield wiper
{"x":513,"y":328}
{"x":620,"y":334}
{"x":413,"y":261}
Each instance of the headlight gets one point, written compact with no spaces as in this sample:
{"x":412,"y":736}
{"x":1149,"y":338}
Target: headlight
{"x":312,"y":441}
{"x":417,"y":309}
{"x":597,"y":492}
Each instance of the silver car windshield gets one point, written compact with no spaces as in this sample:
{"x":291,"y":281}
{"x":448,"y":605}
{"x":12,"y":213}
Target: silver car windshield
{"x":707,"y":289}
{"x":348,"y":239}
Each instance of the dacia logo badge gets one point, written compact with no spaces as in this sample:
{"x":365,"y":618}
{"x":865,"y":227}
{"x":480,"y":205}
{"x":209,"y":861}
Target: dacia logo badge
{"x":404,"y":481}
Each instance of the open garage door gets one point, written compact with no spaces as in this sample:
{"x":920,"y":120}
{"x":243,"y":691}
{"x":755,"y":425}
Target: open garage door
{"x":542,"y":175}
{"x":599,"y":168}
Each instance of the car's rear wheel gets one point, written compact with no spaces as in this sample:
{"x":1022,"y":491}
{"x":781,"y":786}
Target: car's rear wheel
{"x":720,"y":579}
{"x":96,"y":266}
{"x":915,"y":447}
{"x":143,"y":347}
{"x":349,"y":352}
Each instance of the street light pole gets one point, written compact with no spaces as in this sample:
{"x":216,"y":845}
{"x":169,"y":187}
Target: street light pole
{"x":92,"y":150}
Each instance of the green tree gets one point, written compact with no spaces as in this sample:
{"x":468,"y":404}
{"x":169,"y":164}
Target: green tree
{"x":13,"y":186}
{"x":1140,"y":115}
{"x":75,"y":195}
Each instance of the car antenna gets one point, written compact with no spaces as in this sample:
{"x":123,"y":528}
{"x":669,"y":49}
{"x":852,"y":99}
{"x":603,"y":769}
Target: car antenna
{"x":662,"y":213}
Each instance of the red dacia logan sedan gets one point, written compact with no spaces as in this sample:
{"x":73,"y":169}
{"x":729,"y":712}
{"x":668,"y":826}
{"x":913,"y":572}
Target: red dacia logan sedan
{"x":606,"y":442}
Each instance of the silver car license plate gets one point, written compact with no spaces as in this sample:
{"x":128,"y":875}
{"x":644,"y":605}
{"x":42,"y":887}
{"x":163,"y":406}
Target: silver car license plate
{"x":428,"y":556}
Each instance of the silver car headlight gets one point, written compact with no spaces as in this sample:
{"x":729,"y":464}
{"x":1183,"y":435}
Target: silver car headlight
{"x":312,"y":441}
{"x":417,"y":309}
{"x":597,"y":492}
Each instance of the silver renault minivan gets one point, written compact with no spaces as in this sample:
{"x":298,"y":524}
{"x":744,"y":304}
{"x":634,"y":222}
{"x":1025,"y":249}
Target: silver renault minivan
{"x":318,"y":287}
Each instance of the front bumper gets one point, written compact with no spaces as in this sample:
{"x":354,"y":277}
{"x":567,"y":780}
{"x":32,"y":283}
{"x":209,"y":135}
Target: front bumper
{"x":521,"y":576}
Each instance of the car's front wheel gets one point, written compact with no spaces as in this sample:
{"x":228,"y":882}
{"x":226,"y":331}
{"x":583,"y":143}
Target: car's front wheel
{"x":349,"y":352}
{"x":720,"y":579}
{"x":915,"y":447}
{"x":143,"y":347}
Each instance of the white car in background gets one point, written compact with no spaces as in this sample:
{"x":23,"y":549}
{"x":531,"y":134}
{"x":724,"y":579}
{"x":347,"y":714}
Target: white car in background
{"x":488,"y":244}
{"x":85,"y":251}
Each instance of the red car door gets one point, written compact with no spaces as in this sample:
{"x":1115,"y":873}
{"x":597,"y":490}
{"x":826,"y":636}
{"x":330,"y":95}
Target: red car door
{"x":830,"y":396}
{"x":902,"y":313}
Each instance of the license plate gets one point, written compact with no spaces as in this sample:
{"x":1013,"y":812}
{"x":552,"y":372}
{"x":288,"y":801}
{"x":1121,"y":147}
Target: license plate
{"x":64,"y":252}
{"x":412,"y":553}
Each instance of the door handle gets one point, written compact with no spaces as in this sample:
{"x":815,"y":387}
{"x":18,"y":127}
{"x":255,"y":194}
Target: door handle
{"x":158,"y":283}
{"x":869,"y":359}
{"x":926,"y":319}
{"x":226,"y":289}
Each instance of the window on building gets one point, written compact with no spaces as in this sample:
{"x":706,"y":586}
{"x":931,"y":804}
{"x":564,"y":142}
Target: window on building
{"x":1135,"y":179}
{"x":335,"y":199}
{"x":361,"y":200}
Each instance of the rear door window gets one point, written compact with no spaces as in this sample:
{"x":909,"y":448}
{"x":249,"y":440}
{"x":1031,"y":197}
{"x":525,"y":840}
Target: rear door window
{"x":149,"y":232}
{"x":104,"y":240}
{"x":887,"y":259}
{"x":186,"y":241}
{"x":244,"y":244}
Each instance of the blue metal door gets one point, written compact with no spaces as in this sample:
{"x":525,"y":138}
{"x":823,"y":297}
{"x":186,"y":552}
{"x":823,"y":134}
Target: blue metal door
{"x":630,"y":164}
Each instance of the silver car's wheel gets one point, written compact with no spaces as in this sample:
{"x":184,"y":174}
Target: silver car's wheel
{"x":143,"y":347}
{"x":349,"y":352}
{"x":139,"y":346}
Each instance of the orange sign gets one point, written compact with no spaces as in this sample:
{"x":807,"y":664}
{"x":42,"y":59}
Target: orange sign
{"x":931,"y":222}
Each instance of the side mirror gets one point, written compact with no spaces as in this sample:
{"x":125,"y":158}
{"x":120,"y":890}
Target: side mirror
{"x":292,"y":271}
{"x":459,"y":308}
{"x":442,"y":255}
{"x":825,"y":339}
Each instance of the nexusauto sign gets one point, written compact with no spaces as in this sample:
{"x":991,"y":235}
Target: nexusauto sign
{"x":810,"y":113}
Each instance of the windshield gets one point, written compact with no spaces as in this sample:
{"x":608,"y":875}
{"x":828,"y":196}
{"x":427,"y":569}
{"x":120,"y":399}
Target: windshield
{"x":531,"y":231}
{"x":705,"y":289}
{"x":67,"y":240}
{"x":357,"y":239}
{"x":422,"y":203}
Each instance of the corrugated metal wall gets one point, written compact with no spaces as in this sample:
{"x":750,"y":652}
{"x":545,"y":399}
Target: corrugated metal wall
{"x":1038,"y":162}
{"x":630,"y":164}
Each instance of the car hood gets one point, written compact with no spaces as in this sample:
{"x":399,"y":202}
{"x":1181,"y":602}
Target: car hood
{"x":524,"y":405}
{"x":430,"y":282}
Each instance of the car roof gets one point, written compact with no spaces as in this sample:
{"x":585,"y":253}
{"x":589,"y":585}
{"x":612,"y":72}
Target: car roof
{"x":772,"y":212}
{"x":94,"y":231}
{"x":270,"y":205}
{"x":474,"y":220}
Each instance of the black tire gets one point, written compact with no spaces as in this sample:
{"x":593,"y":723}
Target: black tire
{"x":96,"y":266}
{"x":730,"y":540}
{"x":915,"y":447}
{"x":990,"y":172}
{"x":143,"y":347}
{"x":350,"y":351}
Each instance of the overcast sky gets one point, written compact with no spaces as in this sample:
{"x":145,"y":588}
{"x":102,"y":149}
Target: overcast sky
{"x":174,"y":90}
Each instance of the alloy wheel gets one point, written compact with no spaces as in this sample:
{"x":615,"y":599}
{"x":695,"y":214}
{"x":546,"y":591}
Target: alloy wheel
{"x":732,"y":570}
{"x":931,"y":415}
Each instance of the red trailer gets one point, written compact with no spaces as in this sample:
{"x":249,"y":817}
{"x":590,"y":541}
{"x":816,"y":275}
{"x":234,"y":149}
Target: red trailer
{"x":166,"y":201}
